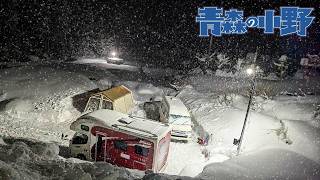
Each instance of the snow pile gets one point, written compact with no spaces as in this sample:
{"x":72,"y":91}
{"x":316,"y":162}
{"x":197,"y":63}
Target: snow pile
{"x":28,"y":159}
{"x":104,"y":83}
{"x":37,"y":102}
{"x":266,"y":164}
{"x":281,"y":123}
{"x":292,"y":107}
{"x":41,"y":81}
{"x":142,"y":92}
{"x":2,"y":142}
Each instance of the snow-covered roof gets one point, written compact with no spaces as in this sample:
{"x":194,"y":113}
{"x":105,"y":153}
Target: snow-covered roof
{"x":135,"y":125}
{"x":176,"y":106}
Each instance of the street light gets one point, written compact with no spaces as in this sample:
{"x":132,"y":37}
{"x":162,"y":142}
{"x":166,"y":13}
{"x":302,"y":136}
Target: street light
{"x":113,"y":54}
{"x":238,"y":142}
{"x":250,"y":71}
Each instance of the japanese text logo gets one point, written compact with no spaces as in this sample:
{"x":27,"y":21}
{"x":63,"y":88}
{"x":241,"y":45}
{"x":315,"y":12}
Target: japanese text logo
{"x":292,"y":20}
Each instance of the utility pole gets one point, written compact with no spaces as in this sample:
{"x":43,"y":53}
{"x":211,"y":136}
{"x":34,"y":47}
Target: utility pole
{"x":250,"y":71}
{"x":239,"y":142}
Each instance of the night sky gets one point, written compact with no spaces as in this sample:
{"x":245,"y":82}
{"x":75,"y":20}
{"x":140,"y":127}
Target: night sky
{"x":155,"y":32}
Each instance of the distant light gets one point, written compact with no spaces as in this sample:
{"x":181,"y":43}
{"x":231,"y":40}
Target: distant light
{"x":249,"y":71}
{"x":113,"y":53}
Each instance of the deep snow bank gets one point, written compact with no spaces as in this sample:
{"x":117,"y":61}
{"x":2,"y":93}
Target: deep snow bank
{"x":29,"y":159}
{"x":266,"y":164}
{"x":142,"y":92}
{"x":37,"y":102}
{"x":283,"y":122}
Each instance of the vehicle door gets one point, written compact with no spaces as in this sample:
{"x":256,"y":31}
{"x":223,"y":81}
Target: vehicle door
{"x":100,"y":147}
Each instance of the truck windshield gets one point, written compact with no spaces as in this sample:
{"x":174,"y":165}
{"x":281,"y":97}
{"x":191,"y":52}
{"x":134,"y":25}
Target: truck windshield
{"x":80,"y":138}
{"x":178,"y":119}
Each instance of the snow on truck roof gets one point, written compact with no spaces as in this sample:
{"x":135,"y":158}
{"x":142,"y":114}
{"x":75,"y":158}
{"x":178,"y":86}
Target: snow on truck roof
{"x":115,"y":93}
{"x":110,"y":118}
{"x":176,"y":106}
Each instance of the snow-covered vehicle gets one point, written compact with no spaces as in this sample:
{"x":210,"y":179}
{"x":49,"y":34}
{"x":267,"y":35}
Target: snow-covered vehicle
{"x":311,"y":65}
{"x":310,"y":61}
{"x":281,"y":66}
{"x":117,"y":138}
{"x":171,"y":110}
{"x":115,"y":60}
{"x":178,"y":117}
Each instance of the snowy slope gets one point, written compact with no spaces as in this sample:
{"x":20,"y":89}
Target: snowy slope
{"x":37,"y":101}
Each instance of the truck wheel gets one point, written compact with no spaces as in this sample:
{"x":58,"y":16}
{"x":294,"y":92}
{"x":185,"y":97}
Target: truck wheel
{"x":81,"y":156}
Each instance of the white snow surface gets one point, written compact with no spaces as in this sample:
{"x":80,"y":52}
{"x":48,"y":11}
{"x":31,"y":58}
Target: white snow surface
{"x":39,"y":101}
{"x":282,"y":131}
{"x":223,"y":118}
{"x":266,"y":164}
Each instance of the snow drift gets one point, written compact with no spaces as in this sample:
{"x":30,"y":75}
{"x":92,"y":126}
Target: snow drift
{"x":29,"y":159}
{"x":266,"y":164}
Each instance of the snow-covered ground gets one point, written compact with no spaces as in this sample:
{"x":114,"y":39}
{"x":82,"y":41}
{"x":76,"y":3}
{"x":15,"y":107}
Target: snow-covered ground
{"x":283,"y":131}
{"x":265,"y":164}
{"x":236,"y":84}
{"x":284,"y":122}
{"x":37,"y":101}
